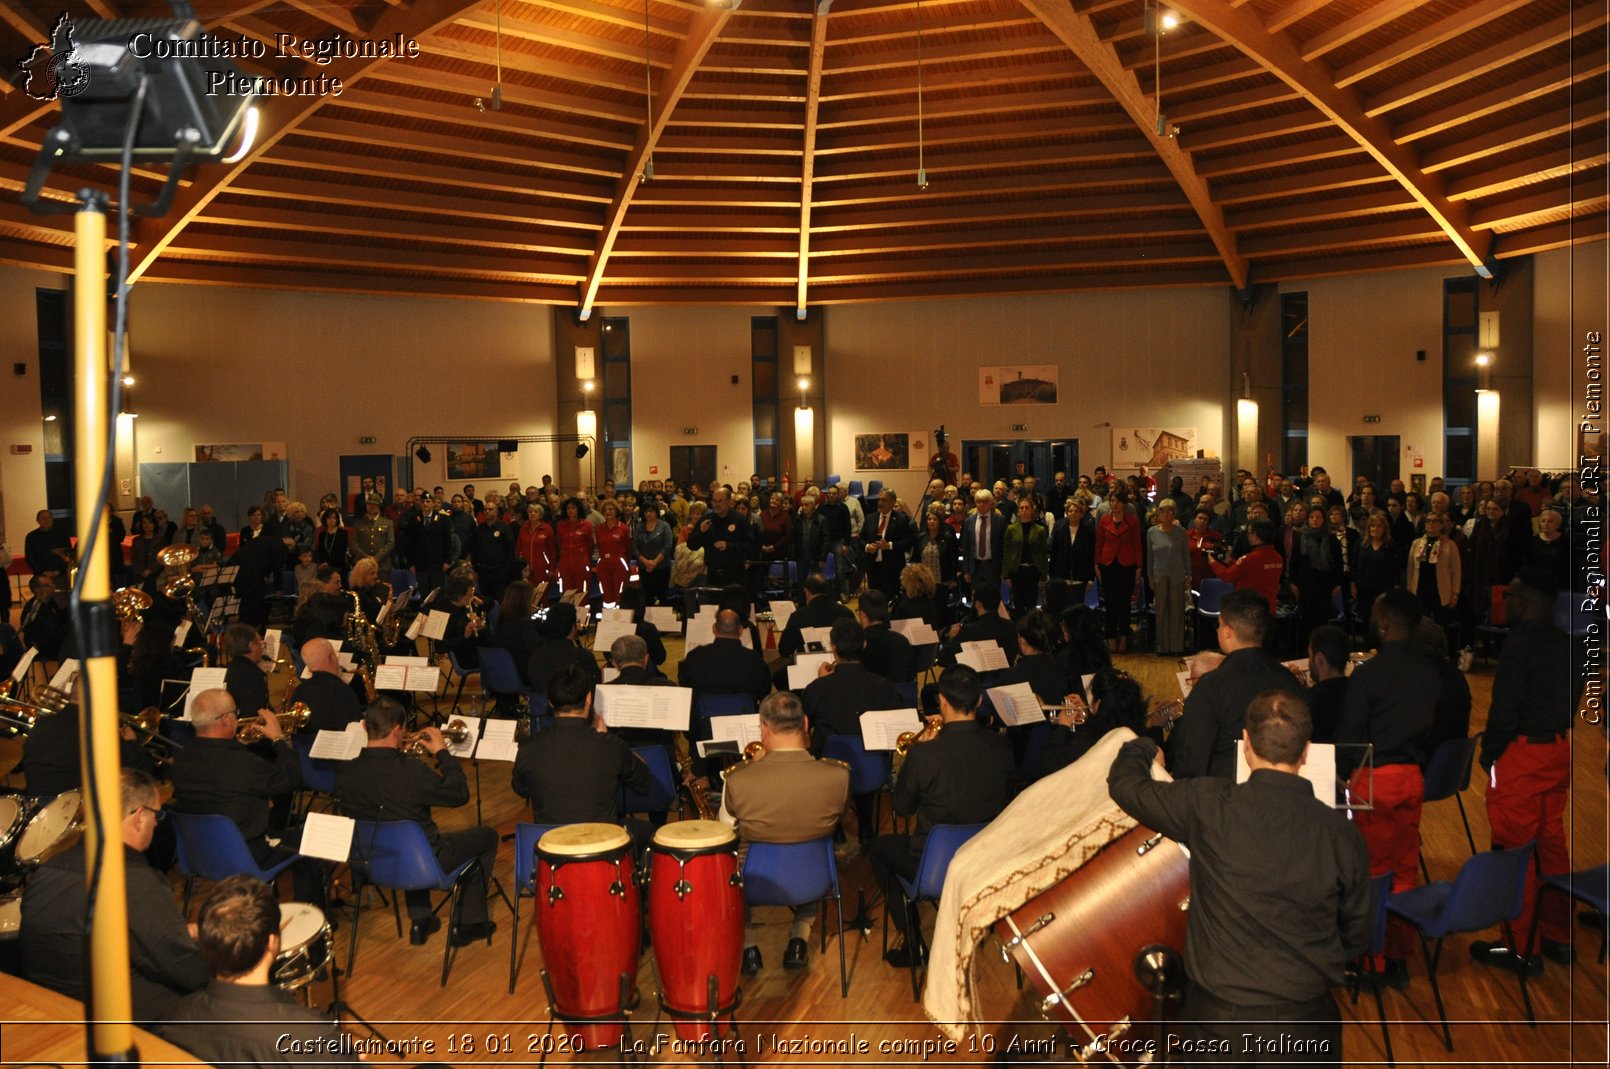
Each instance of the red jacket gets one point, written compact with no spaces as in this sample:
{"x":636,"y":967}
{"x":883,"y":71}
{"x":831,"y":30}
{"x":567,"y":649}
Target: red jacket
{"x":1115,"y":545}
{"x":1259,"y":570}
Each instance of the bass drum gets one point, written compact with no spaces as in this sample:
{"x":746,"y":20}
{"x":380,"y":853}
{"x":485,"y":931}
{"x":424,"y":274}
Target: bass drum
{"x":1094,"y":944}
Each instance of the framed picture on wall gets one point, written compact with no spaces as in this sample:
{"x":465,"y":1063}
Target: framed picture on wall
{"x":884,"y":451}
{"x":1025,"y":384}
{"x":240,"y":451}
{"x":474,"y":460}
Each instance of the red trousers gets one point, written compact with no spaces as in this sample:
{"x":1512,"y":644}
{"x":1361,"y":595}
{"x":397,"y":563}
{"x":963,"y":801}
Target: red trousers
{"x":1525,"y":801}
{"x":1392,"y":834}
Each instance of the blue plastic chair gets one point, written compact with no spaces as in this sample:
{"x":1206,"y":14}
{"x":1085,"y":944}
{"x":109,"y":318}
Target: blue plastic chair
{"x":661,"y":795}
{"x":1446,"y":775}
{"x":499,"y":674}
{"x":318,"y":775}
{"x":793,"y":874}
{"x":832,"y":480}
{"x":874,"y":487}
{"x":526,"y":836}
{"x":1092,"y":595}
{"x":1207,"y":606}
{"x":943,"y":842}
{"x":870,"y":771}
{"x":460,"y":673}
{"x":1380,"y":891}
{"x":395,"y":854}
{"x":907,"y":692}
{"x":1489,"y":890}
{"x":211,"y":847}
{"x":1589,"y":886}
{"x":855,"y":488}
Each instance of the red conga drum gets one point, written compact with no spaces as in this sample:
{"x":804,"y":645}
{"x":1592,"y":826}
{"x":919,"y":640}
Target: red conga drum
{"x":1094,"y":944}
{"x":696,"y":915}
{"x":590,"y":927}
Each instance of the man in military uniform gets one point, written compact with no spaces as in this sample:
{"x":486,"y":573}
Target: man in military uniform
{"x":785,"y":796}
{"x":373,"y":535}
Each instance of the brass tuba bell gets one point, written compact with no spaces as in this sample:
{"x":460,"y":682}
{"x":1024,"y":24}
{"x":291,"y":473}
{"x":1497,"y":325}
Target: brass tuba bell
{"x":129,"y":604}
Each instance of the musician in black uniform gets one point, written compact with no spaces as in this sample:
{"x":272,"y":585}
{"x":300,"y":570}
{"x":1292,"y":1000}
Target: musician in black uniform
{"x":384,"y":783}
{"x":630,"y":655}
{"x":432,"y":552}
{"x":957,"y":775}
{"x":557,"y":649}
{"x":51,"y":760}
{"x":986,"y":624}
{"x":240,"y":1018}
{"x":1280,"y":885}
{"x":821,"y":609}
{"x":332,"y":705}
{"x":244,"y":679}
{"x":886,"y":651}
{"x":462,"y":635}
{"x":44,"y":623}
{"x":724,"y":665}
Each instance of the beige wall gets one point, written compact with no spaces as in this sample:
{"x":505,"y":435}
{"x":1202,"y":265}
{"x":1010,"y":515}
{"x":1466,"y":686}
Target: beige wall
{"x":1572,"y":288}
{"x":22,"y":478}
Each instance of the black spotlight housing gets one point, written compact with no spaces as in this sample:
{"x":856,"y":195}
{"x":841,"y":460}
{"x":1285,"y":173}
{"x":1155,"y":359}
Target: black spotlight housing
{"x":508,"y":445}
{"x":581,"y":450}
{"x":422,"y":454}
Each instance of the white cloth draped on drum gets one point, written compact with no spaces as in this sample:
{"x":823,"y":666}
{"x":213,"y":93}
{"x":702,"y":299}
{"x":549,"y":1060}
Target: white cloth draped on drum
{"x":1051,"y":829}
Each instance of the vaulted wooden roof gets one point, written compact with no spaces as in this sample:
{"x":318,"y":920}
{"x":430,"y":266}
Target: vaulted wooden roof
{"x":777,"y":159}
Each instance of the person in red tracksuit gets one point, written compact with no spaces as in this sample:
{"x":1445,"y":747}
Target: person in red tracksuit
{"x":1260,"y":568}
{"x":1527,"y":747}
{"x":1391,"y":699}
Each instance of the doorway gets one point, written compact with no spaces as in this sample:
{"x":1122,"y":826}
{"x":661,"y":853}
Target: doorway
{"x":988,"y":461}
{"x":693,"y":464}
{"x":1376,"y":457}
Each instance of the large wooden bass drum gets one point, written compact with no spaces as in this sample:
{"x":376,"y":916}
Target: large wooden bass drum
{"x":1106,"y":943}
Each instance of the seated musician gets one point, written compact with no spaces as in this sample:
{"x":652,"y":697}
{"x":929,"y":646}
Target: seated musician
{"x":51,"y":760}
{"x":556,"y":648}
{"x":724,"y":665}
{"x":218,"y":774}
{"x":821,"y":609}
{"x":844,"y":689}
{"x":164,"y":960}
{"x":785,"y":796}
{"x":244,"y":677}
{"x":956,"y":775}
{"x":462,"y":635}
{"x":240,"y":1017}
{"x":332,"y":704}
{"x":384,"y":783}
{"x":44,"y":623}
{"x":574,"y":771}
{"x":1116,"y":702}
{"x":887,"y":652}
{"x":1280,"y":884}
{"x":364,"y":581}
{"x":986,"y":624}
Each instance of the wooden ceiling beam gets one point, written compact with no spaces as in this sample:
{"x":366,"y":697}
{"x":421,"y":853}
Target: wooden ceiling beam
{"x":514,"y":94}
{"x":565,"y":69}
{"x":1322,"y":209}
{"x":1043,"y":261}
{"x":703,"y":29}
{"x":1058,"y":67}
{"x":256,"y":188}
{"x":1191,"y":111}
{"x":1437,"y":254}
{"x":1366,"y":21}
{"x":972,"y":21}
{"x":969,"y":105}
{"x":1496,"y":100}
{"x":1578,"y":198}
{"x":1324,"y":148}
{"x":246,"y":276}
{"x":499,"y":123}
{"x":1515,"y":135}
{"x":932,"y":239}
{"x":441,"y":176}
{"x":813,"y":106}
{"x":1579,"y":20}
{"x":1307,"y":75}
{"x":1289,"y":14}
{"x":1163,"y":278}
{"x":903,"y":55}
{"x":1538,"y":168}
{"x":502,"y":236}
{"x":771,"y":89}
{"x":298,"y":250}
{"x":655,"y":219}
{"x":766,"y":144}
{"x":1466,"y":19}
{"x":653,"y":244}
{"x":331,"y":14}
{"x":1139,"y":57}
{"x":279,"y":117}
{"x":1359,"y":174}
{"x":726,"y":117}
{"x":351,"y":132}
{"x":930,"y":214}
{"x":1305,"y":121}
{"x":1073,"y":128}
{"x":1079,"y":34}
{"x":1057,"y":180}
{"x":622,"y":17}
{"x":1350,"y":236}
{"x":1176,"y":83}
{"x":842,"y":169}
{"x":1556,"y":235}
{"x":747,"y":194}
{"x":482,"y":18}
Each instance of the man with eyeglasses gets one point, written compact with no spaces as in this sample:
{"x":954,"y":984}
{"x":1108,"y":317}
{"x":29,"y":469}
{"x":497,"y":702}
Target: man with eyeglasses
{"x":165,"y":962}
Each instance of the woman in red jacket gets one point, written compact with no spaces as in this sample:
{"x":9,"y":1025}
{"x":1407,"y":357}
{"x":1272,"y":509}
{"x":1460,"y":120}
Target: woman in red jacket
{"x":614,"y":550}
{"x":534,"y":545}
{"x":1117,"y":557}
{"x":576,"y":545}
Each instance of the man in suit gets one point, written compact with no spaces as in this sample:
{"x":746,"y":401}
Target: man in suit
{"x":332,"y":705}
{"x":785,"y":796}
{"x":983,"y":542}
{"x":432,"y":551}
{"x":44,"y":623}
{"x":843,"y":690}
{"x":821,"y":609}
{"x":957,"y":775}
{"x":887,"y":652}
{"x":47,"y":547}
{"x":383,"y":783}
{"x":887,"y":536}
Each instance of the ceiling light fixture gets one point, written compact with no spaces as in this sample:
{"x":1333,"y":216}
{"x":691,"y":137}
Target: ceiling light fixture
{"x":497,"y":55}
{"x":247,"y":137}
{"x":922,"y":172}
{"x":1156,"y":22}
{"x":647,"y":173}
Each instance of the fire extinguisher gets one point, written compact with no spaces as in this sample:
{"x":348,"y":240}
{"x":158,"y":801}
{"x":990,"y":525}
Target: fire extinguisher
{"x":786,"y":485}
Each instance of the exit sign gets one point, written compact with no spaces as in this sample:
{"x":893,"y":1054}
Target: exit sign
{"x":367,"y":439}
{"x":690,"y":430}
{"x":1020,"y":426}
{"x":1372,"y":419}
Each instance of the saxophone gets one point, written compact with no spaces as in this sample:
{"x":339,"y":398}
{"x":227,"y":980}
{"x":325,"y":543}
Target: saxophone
{"x":697,"y":792}
{"x":361,"y":633}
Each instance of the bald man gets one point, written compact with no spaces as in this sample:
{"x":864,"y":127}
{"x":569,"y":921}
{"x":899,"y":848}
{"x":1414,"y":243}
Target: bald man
{"x":331,"y":703}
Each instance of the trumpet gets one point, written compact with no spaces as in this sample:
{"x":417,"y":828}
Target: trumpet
{"x":907,"y":739}
{"x":129,"y":604}
{"x":293,"y":719}
{"x":455,"y":733}
{"x":24,"y":714}
{"x":753,"y":752}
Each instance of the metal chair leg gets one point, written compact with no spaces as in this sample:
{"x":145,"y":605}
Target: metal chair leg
{"x":1509,"y":936}
{"x":1436,"y":991}
{"x":838,"y":911}
{"x":1469,"y":838}
{"x":514,"y":939}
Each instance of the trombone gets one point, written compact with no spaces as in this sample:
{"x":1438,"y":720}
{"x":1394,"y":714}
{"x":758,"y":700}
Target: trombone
{"x":21,"y":714}
{"x":249,"y":729}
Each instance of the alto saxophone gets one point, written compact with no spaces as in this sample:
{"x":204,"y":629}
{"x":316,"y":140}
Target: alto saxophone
{"x":361,"y":633}
{"x":697,"y":792}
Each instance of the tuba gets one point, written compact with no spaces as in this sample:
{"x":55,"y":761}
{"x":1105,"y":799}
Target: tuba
{"x":177,"y":558}
{"x":129,"y":604}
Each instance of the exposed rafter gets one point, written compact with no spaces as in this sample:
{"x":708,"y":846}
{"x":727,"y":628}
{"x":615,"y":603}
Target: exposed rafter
{"x":813,"y":103}
{"x":703,"y":29}
{"x":1279,"y":55}
{"x":1079,"y":34}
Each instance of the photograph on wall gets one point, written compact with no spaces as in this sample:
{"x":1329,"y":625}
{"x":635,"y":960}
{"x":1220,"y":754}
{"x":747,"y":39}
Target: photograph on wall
{"x":473,"y":460}
{"x":1153,"y":447}
{"x":883,"y":451}
{"x":240,"y":451}
{"x":1026,"y":384}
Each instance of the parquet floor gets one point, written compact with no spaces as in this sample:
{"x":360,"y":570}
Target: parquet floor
{"x":798,"y":1018}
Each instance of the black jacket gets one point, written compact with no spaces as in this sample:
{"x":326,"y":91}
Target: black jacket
{"x":224,"y":776}
{"x":387,"y":784}
{"x":573,"y":774}
{"x":247,"y":1026}
{"x":726,"y":667}
{"x":821,"y":611}
{"x":835,"y":702}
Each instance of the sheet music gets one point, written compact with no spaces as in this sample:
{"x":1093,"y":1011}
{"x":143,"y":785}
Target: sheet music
{"x":607,"y":631}
{"x":227,"y":575}
{"x":271,"y":643}
{"x":497,"y":741}
{"x":423,"y":677}
{"x":416,"y":627}
{"x":327,"y":836}
{"x":391,"y":677}
{"x":415,"y":661}
{"x":1016,"y":704}
{"x":617,"y":616}
{"x":742,"y":728}
{"x":916,"y":630}
{"x":611,"y":673}
{"x":65,"y":675}
{"x":881,"y":728}
{"x":991,"y":658}
{"x":660,"y":708}
{"x":706,"y":747}
{"x":24,"y":664}
{"x":206,"y":679}
{"x":180,"y":632}
{"x":781,"y":611}
{"x":346,"y":673}
{"x":467,"y":747}
{"x":819,"y":635}
{"x":210,"y":579}
{"x":1319,"y":770}
{"x":436,"y":624}
{"x":1086,"y":680}
{"x":1185,"y":683}
{"x":662,"y":617}
{"x":340,"y":745}
{"x":1299,"y":668}
{"x":803,"y":671}
{"x":701,"y":632}
{"x":344,"y":658}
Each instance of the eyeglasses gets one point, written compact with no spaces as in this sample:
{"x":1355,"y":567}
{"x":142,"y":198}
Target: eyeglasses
{"x":157,"y":815}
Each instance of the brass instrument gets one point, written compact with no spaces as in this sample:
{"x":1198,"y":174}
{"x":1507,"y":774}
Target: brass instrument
{"x":129,"y":604}
{"x":753,"y":752}
{"x":147,"y":728}
{"x":454,"y":733}
{"x":293,"y":719}
{"x":907,"y":739}
{"x":182,"y":587}
{"x":22,"y":715}
{"x":698,"y":793}
{"x":361,"y":633}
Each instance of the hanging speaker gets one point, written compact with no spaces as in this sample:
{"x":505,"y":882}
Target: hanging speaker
{"x":508,"y":445}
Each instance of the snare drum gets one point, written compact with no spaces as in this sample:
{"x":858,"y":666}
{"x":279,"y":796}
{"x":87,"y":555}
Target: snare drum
{"x":304,"y":956}
{"x":1086,"y":943}
{"x":11,"y":917}
{"x":56,"y":826}
{"x":696,"y":915}
{"x":14,"y":812}
{"x":590,"y":928}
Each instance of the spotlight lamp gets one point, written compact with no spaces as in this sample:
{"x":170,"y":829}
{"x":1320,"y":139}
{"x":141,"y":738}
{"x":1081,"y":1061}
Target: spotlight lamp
{"x":422,"y":455}
{"x":581,"y":450}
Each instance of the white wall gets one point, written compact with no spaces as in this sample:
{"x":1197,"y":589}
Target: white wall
{"x":318,"y":371}
{"x":1146,"y":358}
{"x":22,"y":478}
{"x":1571,"y":299}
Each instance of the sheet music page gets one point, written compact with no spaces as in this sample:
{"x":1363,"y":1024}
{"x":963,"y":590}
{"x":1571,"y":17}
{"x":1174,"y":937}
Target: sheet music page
{"x":207,"y":679}
{"x":1299,"y":668}
{"x":340,"y":745}
{"x":1087,"y":679}
{"x":210,"y":579}
{"x":271,"y":643}
{"x":1319,"y":770}
{"x":616,"y":616}
{"x":881,"y":728}
{"x":916,"y":630}
{"x":742,"y":728}
{"x":607,"y":631}
{"x":436,"y":624}
{"x":660,"y":708}
{"x":467,"y":747}
{"x":344,"y":658}
{"x":701,"y":632}
{"x":781,"y":611}
{"x":992,"y":657}
{"x":380,"y":617}
{"x":1016,"y":704}
{"x":820,"y":635}
{"x":182,"y":630}
{"x":1185,"y":683}
{"x":396,"y":659}
{"x":662,"y":617}
{"x":327,"y":836}
{"x":391,"y":677}
{"x":423,"y":677}
{"x":497,"y":741}
{"x":803,"y":671}
{"x":416,"y":627}
{"x":611,"y":673}
{"x":972,"y":659}
{"x":25,"y":663}
{"x":227,"y":575}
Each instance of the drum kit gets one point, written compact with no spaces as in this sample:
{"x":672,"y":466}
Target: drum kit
{"x":303,"y":966}
{"x":590,"y":924}
{"x":33,"y":831}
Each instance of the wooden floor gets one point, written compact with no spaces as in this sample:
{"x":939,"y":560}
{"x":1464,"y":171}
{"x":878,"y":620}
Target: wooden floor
{"x":798,"y":1018}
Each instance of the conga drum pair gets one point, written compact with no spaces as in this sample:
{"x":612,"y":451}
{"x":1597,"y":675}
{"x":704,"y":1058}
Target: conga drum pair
{"x":696,"y":916}
{"x":1105,"y":946}
{"x":590,"y":928}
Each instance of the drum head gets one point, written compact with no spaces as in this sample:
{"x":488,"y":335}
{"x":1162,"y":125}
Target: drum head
{"x":10,"y":816}
{"x":49,"y":826}
{"x":10,"y":916}
{"x":693,"y":835}
{"x":583,"y":840}
{"x":300,"y":923}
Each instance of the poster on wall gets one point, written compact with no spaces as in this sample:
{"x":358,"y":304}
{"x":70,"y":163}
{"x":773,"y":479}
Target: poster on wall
{"x":1152,"y":446}
{"x":240,"y":451}
{"x":885,"y":451}
{"x":473,"y":460}
{"x":1025,"y":384}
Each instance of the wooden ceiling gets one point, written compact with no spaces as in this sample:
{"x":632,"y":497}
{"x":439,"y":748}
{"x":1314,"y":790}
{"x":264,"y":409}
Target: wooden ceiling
{"x":785,"y":137}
